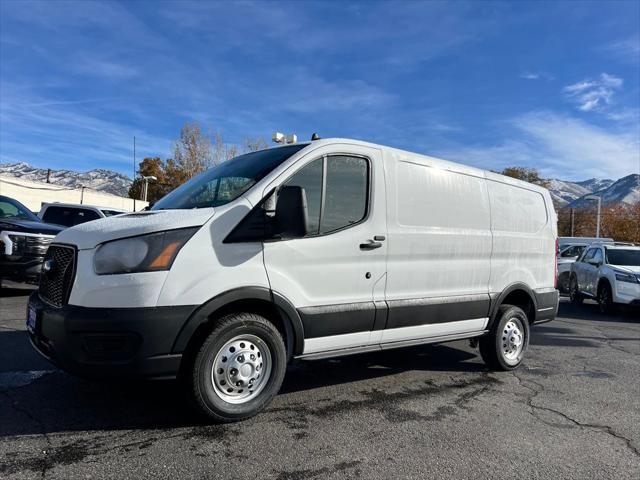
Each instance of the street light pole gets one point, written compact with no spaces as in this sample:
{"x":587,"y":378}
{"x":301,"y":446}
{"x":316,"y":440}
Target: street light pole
{"x":145,"y":190}
{"x":599,"y":200}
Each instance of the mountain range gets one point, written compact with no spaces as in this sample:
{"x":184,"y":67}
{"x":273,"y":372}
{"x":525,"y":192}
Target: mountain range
{"x":572,"y":194}
{"x":564,"y":193}
{"x":99,"y":179}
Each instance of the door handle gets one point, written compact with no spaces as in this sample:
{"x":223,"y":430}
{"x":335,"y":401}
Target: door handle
{"x":370,"y":245}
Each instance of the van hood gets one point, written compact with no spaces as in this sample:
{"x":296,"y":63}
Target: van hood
{"x":89,"y":235}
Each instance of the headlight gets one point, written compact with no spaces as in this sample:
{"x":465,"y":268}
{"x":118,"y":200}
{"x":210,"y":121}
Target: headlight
{"x":626,"y":277}
{"x":146,"y":253}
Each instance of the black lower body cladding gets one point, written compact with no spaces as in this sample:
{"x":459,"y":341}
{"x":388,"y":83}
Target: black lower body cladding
{"x":546,"y":305}
{"x":104,"y":342}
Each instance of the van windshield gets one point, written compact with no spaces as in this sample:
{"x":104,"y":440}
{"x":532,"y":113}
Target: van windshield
{"x":227,"y":181}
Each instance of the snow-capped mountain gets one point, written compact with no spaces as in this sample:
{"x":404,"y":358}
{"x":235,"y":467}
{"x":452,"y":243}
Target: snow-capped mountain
{"x":624,"y":190}
{"x":99,"y":179}
{"x":563,"y":193}
{"x":595,"y":184}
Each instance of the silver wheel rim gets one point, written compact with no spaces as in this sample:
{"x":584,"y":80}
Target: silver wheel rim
{"x":241,"y":369}
{"x":512,"y":340}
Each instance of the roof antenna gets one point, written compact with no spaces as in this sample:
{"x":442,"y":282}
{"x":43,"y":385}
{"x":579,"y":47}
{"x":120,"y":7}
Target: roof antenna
{"x":314,"y":137}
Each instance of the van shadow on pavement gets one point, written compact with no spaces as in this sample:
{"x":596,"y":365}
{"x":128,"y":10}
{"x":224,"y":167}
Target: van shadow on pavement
{"x":57,"y":402}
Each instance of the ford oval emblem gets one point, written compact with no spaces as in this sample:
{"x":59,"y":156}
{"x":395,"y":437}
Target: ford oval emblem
{"x":47,"y":266}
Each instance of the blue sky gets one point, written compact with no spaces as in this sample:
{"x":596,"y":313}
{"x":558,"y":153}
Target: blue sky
{"x":555,"y":86}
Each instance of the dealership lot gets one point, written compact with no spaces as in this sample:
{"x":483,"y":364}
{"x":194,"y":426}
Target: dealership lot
{"x":571,"y":411}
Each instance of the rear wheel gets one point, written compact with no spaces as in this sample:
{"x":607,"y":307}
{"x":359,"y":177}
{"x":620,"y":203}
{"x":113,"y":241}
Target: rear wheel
{"x":605,"y":299}
{"x":239,"y":368}
{"x":574,"y":293}
{"x":504,"y":346}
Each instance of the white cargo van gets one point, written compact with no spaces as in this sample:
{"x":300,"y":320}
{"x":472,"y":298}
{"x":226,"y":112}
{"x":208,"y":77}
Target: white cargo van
{"x":310,"y":250}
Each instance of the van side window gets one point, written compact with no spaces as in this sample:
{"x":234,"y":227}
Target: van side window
{"x":310,"y":178}
{"x":345,"y":192}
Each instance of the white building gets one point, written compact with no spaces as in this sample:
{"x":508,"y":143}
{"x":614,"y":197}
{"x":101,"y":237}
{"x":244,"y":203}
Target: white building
{"x":34,"y":194}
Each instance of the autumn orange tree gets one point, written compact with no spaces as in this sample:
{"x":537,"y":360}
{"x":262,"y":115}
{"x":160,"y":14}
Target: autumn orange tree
{"x":620,"y":221}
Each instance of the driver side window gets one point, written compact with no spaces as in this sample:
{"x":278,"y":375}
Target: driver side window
{"x":598,"y":256}
{"x":589,"y":255}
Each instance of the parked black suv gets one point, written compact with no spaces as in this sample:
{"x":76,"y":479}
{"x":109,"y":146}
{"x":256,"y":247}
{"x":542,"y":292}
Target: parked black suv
{"x":24,"y":240}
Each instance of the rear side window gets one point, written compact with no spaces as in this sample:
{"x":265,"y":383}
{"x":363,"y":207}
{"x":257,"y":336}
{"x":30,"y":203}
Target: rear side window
{"x":68,"y":216}
{"x":337,"y":192}
{"x":515,"y":209}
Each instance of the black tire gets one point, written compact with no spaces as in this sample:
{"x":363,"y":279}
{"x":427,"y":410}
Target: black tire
{"x":574,"y":294}
{"x":206,"y":398}
{"x":605,"y":298}
{"x":563,"y":282}
{"x":491,"y":345}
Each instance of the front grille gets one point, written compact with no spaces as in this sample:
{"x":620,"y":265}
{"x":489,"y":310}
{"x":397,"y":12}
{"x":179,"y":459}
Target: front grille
{"x":37,"y":246}
{"x":57,"y":275}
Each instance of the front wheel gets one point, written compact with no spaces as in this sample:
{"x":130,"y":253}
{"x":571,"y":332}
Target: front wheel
{"x":605,"y":299}
{"x":504,"y":346}
{"x":239,"y":368}
{"x":574,"y":294}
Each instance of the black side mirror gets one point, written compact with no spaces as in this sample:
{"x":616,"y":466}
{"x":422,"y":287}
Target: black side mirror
{"x":291,"y":219}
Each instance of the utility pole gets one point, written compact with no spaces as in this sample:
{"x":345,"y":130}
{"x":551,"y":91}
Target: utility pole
{"x":134,"y":170}
{"x":599,"y":200}
{"x":145,"y":189}
{"x":572,"y":221}
{"x":82,"y":187}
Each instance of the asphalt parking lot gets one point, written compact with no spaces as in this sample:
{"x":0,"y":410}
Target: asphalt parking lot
{"x":571,"y":411}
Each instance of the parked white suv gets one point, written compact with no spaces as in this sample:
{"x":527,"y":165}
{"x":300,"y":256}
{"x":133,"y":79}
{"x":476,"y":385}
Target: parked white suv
{"x":311,"y":250}
{"x":570,"y":249}
{"x":70,"y":214}
{"x":608,"y":273}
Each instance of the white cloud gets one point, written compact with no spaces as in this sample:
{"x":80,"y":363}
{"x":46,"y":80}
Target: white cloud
{"x":626,"y":49}
{"x":560,"y":147}
{"x":594,"y":94}
{"x":530,"y":75}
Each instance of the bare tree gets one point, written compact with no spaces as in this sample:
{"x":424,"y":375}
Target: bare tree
{"x":192,"y":151}
{"x":253,"y":144}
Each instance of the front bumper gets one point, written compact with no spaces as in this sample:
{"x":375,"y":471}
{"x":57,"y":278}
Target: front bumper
{"x":109,"y":342}
{"x":22,"y":270}
{"x":627,"y":293}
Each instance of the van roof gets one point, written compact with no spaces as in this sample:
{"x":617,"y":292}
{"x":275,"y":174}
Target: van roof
{"x":434,"y":162}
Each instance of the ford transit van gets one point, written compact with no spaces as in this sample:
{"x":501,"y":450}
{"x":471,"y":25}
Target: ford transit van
{"x":303,"y":251}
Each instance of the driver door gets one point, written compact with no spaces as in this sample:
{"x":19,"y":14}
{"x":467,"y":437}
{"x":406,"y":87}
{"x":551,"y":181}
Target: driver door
{"x":335,"y":276}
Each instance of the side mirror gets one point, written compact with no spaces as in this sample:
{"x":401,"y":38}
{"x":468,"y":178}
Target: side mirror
{"x":291,"y":219}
